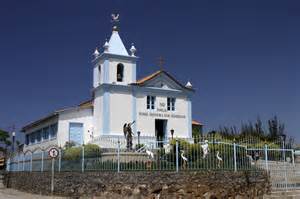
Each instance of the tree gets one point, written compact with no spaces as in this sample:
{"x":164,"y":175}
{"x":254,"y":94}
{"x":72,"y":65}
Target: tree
{"x":4,"y":140}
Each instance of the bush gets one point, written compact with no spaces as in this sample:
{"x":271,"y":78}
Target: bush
{"x":91,"y":151}
{"x":72,"y":153}
{"x":75,"y":153}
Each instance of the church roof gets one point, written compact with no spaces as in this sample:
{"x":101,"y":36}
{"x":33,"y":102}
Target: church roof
{"x":82,"y":105}
{"x":143,"y":80}
{"x":115,"y":44}
{"x":196,"y":123}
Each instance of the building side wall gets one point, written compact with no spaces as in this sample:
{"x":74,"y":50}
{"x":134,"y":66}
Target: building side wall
{"x":84,"y":116}
{"x":44,"y":143}
{"x":98,"y":114}
{"x":120,"y":111}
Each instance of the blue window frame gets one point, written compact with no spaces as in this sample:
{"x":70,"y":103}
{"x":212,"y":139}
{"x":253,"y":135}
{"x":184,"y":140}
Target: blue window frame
{"x":32,"y":138}
{"x":53,"y":130}
{"x":38,"y":136}
{"x":27,"y":139}
{"x":76,"y":133}
{"x":46,"y":133}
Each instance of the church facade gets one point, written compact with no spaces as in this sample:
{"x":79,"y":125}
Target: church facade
{"x":155,"y":105}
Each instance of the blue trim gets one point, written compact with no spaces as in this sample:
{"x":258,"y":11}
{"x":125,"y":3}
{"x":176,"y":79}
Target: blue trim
{"x":133,"y":79}
{"x":115,"y":56}
{"x":106,"y":113}
{"x":134,"y":111}
{"x":106,"y":71}
{"x":189,"y":115}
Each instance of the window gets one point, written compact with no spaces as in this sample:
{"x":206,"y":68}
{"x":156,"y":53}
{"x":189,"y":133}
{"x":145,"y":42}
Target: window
{"x":171,"y":103}
{"x":76,"y":133}
{"x":46,"y":133}
{"x":38,"y":135}
{"x":151,"y":102}
{"x":32,"y":138}
{"x":120,"y":72}
{"x":27,"y":139}
{"x":53,"y":130}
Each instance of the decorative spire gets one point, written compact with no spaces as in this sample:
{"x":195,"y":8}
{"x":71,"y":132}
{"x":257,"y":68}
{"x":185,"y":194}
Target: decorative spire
{"x":105,"y":46}
{"x":132,"y":50}
{"x":96,"y":53}
{"x":188,"y":85}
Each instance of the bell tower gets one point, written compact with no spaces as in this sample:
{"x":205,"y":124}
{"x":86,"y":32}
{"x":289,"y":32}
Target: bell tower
{"x":114,"y":65}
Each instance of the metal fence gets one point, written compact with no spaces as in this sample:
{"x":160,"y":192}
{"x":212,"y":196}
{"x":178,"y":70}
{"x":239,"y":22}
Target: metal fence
{"x":203,"y":153}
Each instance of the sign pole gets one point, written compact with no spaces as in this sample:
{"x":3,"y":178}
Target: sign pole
{"x":53,"y":153}
{"x":52,"y":177}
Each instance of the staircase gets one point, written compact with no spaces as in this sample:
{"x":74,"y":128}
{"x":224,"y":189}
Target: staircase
{"x":290,"y":194}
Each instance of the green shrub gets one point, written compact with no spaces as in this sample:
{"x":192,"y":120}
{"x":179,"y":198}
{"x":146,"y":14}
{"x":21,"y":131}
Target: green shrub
{"x":91,"y":151}
{"x":72,"y":153}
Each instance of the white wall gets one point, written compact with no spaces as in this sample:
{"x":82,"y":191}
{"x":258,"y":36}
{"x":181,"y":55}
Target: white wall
{"x":98,"y":115}
{"x":120,"y":111}
{"x":146,"y":124}
{"x":97,"y":78}
{"x":128,"y":67}
{"x":84,"y":116}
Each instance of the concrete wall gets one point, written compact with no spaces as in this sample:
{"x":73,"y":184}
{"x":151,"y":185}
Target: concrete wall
{"x":84,"y":116}
{"x":138,"y":185}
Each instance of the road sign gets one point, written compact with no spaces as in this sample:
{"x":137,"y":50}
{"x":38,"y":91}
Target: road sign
{"x":53,"y":152}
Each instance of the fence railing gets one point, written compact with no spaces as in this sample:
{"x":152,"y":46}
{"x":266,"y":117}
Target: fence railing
{"x":148,"y":154}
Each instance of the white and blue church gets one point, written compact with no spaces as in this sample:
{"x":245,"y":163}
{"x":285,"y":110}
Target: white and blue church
{"x":158,"y":104}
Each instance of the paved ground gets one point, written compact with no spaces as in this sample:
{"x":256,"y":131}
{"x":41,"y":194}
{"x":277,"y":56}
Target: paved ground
{"x":14,"y":194}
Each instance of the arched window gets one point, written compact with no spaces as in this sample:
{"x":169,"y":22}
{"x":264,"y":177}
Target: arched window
{"x":99,"y":74}
{"x":120,"y":72}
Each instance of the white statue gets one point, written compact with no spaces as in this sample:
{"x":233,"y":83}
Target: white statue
{"x":205,"y":148}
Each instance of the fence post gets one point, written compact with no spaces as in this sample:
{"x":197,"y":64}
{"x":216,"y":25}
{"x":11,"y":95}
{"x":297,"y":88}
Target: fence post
{"x":8,"y":164}
{"x":42,"y":164}
{"x":177,"y":156}
{"x":59,"y":160}
{"x":82,"y":161}
{"x":293,"y":157}
{"x":266,"y":157}
{"x":18,"y":163}
{"x":31,"y":162}
{"x":118,"y":155}
{"x":23,"y":166}
{"x":234,"y":157}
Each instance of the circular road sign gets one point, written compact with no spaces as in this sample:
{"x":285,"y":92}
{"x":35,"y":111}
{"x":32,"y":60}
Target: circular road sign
{"x":53,"y":152}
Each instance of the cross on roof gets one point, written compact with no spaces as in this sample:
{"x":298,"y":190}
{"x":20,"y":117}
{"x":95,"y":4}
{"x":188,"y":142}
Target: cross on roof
{"x":161,"y":62}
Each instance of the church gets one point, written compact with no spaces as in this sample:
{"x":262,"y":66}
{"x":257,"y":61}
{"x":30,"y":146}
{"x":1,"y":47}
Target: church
{"x":158,"y":106}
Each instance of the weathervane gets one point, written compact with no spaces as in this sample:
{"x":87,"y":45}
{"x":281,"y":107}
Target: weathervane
{"x":115,"y":20}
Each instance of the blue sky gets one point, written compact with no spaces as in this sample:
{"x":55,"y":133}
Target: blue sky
{"x":241,"y":56}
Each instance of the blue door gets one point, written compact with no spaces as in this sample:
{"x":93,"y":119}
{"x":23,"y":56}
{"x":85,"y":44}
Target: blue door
{"x":76,"y":133}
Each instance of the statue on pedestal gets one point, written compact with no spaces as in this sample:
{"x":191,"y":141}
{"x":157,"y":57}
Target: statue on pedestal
{"x":128,"y":135}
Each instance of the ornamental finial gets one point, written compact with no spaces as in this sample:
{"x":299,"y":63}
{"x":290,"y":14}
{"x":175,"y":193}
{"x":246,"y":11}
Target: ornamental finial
{"x":132,"y":50}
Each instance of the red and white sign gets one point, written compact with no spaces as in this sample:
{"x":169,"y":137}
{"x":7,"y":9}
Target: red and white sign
{"x":53,"y":152}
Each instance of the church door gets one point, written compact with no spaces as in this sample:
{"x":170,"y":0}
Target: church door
{"x":160,"y":130}
{"x":76,"y":133}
